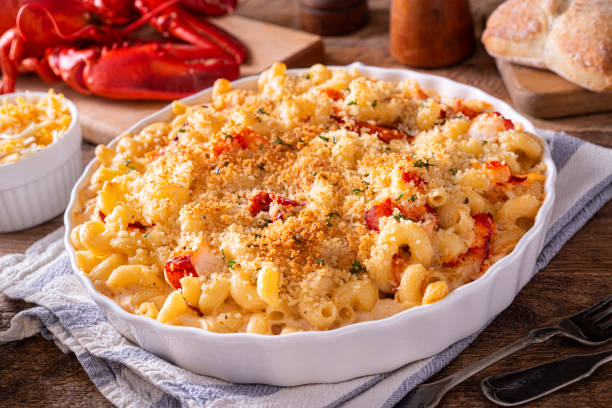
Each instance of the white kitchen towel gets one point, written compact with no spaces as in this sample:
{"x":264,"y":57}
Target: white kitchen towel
{"x":132,"y":377}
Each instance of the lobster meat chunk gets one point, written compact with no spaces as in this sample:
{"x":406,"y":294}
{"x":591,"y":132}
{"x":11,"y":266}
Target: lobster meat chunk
{"x":471,"y":264}
{"x":384,"y":133}
{"x":197,"y":263}
{"x":500,"y":173}
{"x":261,"y":202}
{"x":409,"y":176}
{"x":177,"y":268}
{"x":245,"y":139}
{"x":415,"y":213}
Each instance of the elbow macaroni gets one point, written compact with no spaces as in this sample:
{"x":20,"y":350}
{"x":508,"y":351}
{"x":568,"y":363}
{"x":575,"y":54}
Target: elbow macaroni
{"x":320,"y":200}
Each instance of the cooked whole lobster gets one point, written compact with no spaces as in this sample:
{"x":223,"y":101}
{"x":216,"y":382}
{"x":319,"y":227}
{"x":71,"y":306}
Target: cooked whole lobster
{"x":89,"y":44}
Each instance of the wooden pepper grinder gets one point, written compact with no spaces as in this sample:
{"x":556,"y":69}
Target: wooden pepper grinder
{"x":333,"y":17}
{"x":431,"y":33}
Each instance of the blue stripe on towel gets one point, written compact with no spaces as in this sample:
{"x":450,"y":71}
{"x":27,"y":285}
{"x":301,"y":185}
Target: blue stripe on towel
{"x":167,"y":401}
{"x":100,"y":371}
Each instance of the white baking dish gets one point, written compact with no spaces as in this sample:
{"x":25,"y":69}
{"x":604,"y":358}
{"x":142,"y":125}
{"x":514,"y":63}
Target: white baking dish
{"x":355,"y":350}
{"x":37,"y":188}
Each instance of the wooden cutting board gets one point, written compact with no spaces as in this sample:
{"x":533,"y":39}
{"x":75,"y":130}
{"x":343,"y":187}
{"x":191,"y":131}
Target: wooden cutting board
{"x":544,"y":94}
{"x":103,"y":119}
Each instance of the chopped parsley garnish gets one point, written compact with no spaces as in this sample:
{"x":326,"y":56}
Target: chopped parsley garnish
{"x":453,"y":171}
{"x":466,"y":200}
{"x":217,"y":170}
{"x":357,"y":267}
{"x":228,"y":136}
{"x":264,"y":223}
{"x":484,"y":142}
{"x":261,"y":166}
{"x":335,"y":139}
{"x":374,"y":103}
{"x":400,"y":217}
{"x":229,"y":262}
{"x":365,"y":182}
{"x":181,"y":130}
{"x":352,"y":103}
{"x":281,"y":142}
{"x":399,"y":197}
{"x":147,"y":234}
{"x":413,"y":198}
{"x":203,"y":217}
{"x":314,"y":173}
{"x":320,"y":261}
{"x":128,"y":164}
{"x":421,"y":163}
{"x":298,"y":238}
{"x":357,"y":191}
{"x":261,"y":111}
{"x":324,"y":138}
{"x":307,"y":76}
{"x":330,"y":216}
{"x":257,"y":235}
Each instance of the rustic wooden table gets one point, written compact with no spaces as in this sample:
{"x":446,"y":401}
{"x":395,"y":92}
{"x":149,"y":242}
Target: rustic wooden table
{"x":35,"y":373}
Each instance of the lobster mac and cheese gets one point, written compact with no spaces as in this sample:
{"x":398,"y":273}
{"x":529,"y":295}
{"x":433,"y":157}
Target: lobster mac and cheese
{"x":319,"y":200}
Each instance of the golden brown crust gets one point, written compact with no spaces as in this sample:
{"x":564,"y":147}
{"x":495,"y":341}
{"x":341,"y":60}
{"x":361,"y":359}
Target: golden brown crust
{"x":581,"y":44}
{"x":278,"y":182}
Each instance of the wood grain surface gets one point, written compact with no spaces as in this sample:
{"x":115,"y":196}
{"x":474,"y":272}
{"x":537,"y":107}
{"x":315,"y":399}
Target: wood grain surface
{"x":35,"y":373}
{"x":544,"y":94}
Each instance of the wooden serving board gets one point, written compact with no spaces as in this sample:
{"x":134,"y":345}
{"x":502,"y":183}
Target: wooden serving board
{"x":103,"y":119}
{"x":544,"y":94}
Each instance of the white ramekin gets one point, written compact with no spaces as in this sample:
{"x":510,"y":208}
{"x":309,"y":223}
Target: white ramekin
{"x":37,"y":188}
{"x":354,"y":350}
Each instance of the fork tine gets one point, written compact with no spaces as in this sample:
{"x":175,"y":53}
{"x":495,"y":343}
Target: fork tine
{"x":601,"y":315}
{"x":608,"y":328}
{"x":596,"y":308}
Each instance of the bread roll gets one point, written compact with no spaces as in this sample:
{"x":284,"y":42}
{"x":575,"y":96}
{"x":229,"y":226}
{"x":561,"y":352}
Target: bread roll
{"x":570,"y":37}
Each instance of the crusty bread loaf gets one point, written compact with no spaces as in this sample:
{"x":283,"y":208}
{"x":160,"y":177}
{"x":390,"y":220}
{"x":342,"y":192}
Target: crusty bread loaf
{"x":570,"y":37}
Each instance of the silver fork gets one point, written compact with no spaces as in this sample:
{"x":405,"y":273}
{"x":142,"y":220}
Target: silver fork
{"x":591,"y":327}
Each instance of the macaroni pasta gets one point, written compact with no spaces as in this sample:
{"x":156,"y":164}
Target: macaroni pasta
{"x":320,"y":200}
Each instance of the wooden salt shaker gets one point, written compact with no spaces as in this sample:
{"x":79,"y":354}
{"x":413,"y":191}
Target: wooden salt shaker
{"x":431,"y":33}
{"x":333,"y":17}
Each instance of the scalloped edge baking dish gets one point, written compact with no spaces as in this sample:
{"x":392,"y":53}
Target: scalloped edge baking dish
{"x":351,"y":351}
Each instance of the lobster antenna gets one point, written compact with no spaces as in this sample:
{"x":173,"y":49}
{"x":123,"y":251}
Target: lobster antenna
{"x":66,"y":37}
{"x":144,"y":19}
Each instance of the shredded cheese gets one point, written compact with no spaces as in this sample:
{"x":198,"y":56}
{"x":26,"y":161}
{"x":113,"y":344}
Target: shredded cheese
{"x":28,"y":125}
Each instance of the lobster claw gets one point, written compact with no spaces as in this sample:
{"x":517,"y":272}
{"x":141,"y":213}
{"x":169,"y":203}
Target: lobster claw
{"x":162,"y":71}
{"x":180,"y":23}
{"x":211,"y":8}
